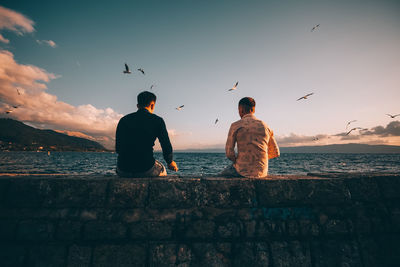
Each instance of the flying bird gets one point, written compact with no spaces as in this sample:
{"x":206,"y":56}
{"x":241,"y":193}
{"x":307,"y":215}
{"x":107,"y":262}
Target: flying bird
{"x":305,"y":97}
{"x":356,"y":128}
{"x":127,"y":71}
{"x":152,"y":86}
{"x":216,"y":121}
{"x":234,"y":87}
{"x":8,"y":111}
{"x":141,"y":70}
{"x":350,"y":123}
{"x":315,"y":27}
{"x":180,"y":107}
{"x":18,"y":92}
{"x":315,"y":139}
{"x":393,"y":116}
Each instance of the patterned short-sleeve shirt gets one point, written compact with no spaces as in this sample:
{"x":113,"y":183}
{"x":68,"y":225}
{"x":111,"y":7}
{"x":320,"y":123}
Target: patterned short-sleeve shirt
{"x":255,"y":145}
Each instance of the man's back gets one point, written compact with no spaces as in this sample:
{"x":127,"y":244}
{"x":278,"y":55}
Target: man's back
{"x":135,"y":137}
{"x":255,"y":145}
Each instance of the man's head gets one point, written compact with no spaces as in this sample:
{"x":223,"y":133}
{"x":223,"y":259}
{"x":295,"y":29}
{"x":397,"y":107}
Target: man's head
{"x":247,"y":105}
{"x":146,"y":100}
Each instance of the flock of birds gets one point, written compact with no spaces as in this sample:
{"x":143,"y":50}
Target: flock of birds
{"x":234,"y":87}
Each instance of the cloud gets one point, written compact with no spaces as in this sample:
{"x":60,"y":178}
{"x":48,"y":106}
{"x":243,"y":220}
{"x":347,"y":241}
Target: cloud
{"x":47,"y":42}
{"x":296,"y":140}
{"x":392,"y":129}
{"x":25,"y":86}
{"x":14,"y":21}
{"x":4,"y":40}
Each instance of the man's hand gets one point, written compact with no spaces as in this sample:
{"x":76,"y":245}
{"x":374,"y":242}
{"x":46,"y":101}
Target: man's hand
{"x":172,"y":166}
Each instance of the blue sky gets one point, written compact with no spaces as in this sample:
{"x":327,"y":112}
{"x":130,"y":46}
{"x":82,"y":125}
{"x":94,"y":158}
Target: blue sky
{"x":194,"y":51}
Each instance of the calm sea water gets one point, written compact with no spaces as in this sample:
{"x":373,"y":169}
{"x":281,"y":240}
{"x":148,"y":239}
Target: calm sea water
{"x":193,"y":164}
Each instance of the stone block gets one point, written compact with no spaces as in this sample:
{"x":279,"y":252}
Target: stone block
{"x":278,"y":192}
{"x":163,"y":255}
{"x":389,"y":249}
{"x":336,"y":253}
{"x":201,"y":229}
{"x":104,"y":230}
{"x":79,"y":256}
{"x":250,"y":254}
{"x":4,"y":183}
{"x":35,"y":230}
{"x":230,"y":230}
{"x":370,"y":252}
{"x":270,"y":228}
{"x":150,"y":230}
{"x":390,"y":186}
{"x":363,"y":189}
{"x":308,"y":228}
{"x":75,"y":193}
{"x":229,"y":193}
{"x":119,"y":255}
{"x":172,"y":193}
{"x":12,"y":255}
{"x":7,"y":229}
{"x":335,"y":227}
{"x":320,"y":191}
{"x":291,"y":253}
{"x":68,"y":230}
{"x":26,"y":193}
{"x":47,"y":255}
{"x":209,"y":254}
{"x":128,"y":193}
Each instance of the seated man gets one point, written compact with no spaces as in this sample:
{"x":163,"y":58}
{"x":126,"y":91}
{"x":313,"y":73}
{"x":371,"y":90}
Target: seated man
{"x":136,"y":133}
{"x":255,"y":144}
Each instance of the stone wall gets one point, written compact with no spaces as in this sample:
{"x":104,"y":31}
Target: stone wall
{"x":333,"y":220}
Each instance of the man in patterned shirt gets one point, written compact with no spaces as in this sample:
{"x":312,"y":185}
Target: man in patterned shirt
{"x":255,"y":144}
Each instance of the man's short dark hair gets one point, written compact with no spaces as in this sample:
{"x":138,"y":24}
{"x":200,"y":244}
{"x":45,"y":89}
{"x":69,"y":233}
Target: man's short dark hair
{"x":247,"y":103}
{"x":145,"y":98}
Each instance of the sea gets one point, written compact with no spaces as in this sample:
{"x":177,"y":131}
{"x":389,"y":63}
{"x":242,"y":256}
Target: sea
{"x":192,"y":164}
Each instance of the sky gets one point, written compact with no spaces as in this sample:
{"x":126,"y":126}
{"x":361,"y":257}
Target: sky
{"x":61,"y":64}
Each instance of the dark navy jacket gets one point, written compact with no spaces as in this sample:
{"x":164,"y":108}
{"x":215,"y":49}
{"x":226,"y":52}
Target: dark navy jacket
{"x":135,"y":137}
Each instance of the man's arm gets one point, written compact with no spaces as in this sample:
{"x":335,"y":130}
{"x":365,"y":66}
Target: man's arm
{"x":118,"y":138}
{"x":166,"y":146}
{"x":273,"y":149}
{"x":230,"y":144}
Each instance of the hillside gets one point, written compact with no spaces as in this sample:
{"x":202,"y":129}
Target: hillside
{"x":342,"y":148}
{"x":17,"y":136}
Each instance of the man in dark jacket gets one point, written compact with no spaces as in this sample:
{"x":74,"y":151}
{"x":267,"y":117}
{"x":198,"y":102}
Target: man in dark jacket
{"x":135,"y":137}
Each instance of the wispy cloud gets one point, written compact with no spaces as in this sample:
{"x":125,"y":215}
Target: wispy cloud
{"x":25,"y":86}
{"x":15,"y":22}
{"x":47,"y":42}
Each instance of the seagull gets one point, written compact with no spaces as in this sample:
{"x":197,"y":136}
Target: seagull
{"x":141,"y":70}
{"x":127,"y":71}
{"x":356,"y":128}
{"x":234,"y":87}
{"x":350,"y":122}
{"x":305,"y":97}
{"x":315,"y":27}
{"x":152,"y":86}
{"x":315,"y":139}
{"x":216,"y":121}
{"x":8,"y":111}
{"x":393,"y":116}
{"x":180,"y":107}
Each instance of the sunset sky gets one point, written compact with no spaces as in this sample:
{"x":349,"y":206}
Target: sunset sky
{"x":61,"y":63}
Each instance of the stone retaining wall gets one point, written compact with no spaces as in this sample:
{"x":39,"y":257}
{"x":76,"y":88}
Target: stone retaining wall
{"x":334,"y":220}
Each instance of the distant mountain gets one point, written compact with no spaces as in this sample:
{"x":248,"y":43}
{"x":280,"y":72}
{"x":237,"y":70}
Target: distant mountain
{"x":339,"y":148}
{"x":342,"y":148}
{"x":17,"y":136}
